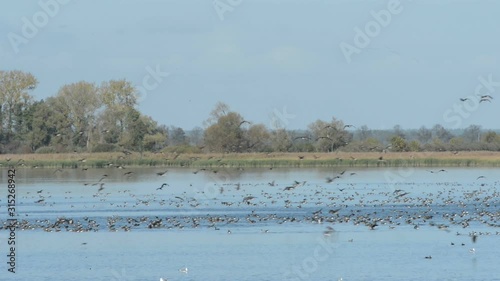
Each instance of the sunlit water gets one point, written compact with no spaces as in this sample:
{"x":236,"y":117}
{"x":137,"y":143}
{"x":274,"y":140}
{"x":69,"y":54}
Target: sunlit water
{"x":208,"y":228}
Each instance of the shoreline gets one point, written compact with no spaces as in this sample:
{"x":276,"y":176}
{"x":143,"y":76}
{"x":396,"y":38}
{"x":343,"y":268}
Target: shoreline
{"x":264,"y":160}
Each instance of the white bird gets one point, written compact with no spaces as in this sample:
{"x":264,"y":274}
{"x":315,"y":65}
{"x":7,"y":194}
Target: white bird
{"x":184,"y":270}
{"x":473,"y":251}
{"x":162,"y":279}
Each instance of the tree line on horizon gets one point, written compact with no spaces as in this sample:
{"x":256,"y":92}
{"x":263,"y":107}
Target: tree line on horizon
{"x":86,"y":117}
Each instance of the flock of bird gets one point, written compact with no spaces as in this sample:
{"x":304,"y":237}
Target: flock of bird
{"x":229,"y":205}
{"x":330,"y":201}
{"x":481,"y":98}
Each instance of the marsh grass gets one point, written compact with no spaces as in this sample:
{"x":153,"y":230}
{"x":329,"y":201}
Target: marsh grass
{"x":269,"y":160}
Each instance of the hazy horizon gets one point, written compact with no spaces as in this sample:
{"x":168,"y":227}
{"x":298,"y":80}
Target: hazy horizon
{"x":268,"y":58}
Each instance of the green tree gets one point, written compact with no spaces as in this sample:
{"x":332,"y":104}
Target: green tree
{"x":364,"y":133}
{"x":490,"y":137}
{"x":118,"y":97}
{"x":424,"y":135}
{"x":14,"y":99}
{"x":257,"y":138}
{"x":399,"y":144}
{"x":281,"y":141}
{"x":80,"y":102}
{"x":225,"y":133}
{"x":177,"y":136}
{"x":329,"y":136}
{"x":441,"y":133}
{"x":472,"y":133}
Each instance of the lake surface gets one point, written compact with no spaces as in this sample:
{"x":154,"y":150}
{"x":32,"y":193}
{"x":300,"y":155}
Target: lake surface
{"x":254,"y":224}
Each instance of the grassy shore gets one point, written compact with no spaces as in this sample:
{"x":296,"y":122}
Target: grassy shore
{"x":336,"y":159}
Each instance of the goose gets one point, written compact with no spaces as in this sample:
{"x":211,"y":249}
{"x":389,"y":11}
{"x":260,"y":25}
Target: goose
{"x":162,"y":186}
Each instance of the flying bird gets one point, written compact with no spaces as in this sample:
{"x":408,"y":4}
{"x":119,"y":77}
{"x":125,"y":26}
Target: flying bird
{"x":161,"y":173}
{"x":328,"y":138}
{"x":243,"y":122}
{"x":247,"y":199}
{"x":330,"y":179}
{"x":302,"y":138}
{"x":162,"y":186}
{"x":329,"y":231}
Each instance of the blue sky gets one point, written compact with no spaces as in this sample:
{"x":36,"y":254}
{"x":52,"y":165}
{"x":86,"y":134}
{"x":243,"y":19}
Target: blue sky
{"x":263,"y":57}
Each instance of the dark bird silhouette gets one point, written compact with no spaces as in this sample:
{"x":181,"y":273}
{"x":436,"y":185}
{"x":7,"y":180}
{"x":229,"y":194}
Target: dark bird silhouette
{"x":162,"y":186}
{"x":330,"y":179}
{"x":333,"y":212}
{"x":481,"y":177}
{"x":463,"y":99}
{"x":329,"y":231}
{"x":439,"y":171}
{"x":328,"y":127}
{"x":349,"y":126}
{"x":484,"y":100}
{"x":243,"y":122}
{"x":328,"y":138}
{"x":486,"y":97}
{"x":161,"y":173}
{"x":474,"y":238}
{"x":402,"y":194}
{"x":302,"y":138}
{"x":294,"y":185}
{"x":248,"y":198}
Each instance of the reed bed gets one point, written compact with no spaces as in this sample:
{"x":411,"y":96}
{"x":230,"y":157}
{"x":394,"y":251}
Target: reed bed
{"x":268,"y":160}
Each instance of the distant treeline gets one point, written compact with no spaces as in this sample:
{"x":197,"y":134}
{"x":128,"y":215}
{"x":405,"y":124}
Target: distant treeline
{"x":85,"y":117}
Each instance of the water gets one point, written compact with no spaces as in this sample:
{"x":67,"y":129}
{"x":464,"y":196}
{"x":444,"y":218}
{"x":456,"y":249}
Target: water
{"x":278,"y":235}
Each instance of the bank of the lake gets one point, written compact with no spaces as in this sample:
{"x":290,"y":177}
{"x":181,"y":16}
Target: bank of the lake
{"x":267,"y":160}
